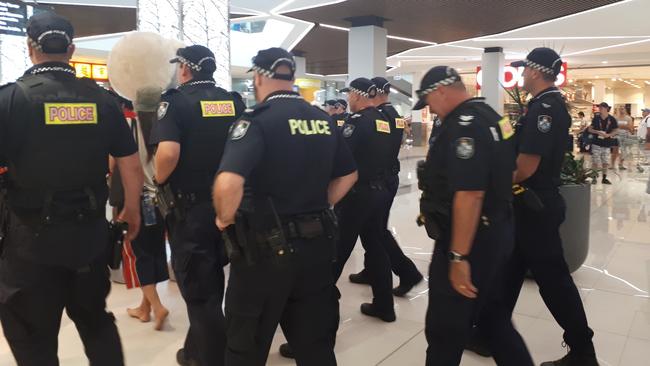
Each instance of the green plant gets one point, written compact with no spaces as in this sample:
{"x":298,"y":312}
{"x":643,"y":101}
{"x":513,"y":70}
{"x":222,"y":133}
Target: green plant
{"x":519,"y":96}
{"x":575,"y":172}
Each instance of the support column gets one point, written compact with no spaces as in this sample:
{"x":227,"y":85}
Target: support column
{"x":492,"y":64}
{"x":367,"y":47}
{"x":599,"y":91}
{"x":203,"y":22}
{"x":301,"y":66}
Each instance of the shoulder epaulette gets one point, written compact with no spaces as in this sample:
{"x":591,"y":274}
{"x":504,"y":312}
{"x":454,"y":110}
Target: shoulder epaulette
{"x":255,"y":110}
{"x":171,"y":91}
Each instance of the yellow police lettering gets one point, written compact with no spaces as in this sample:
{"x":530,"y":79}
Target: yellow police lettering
{"x":311,"y":127}
{"x":217,"y":108}
{"x":70,"y":113}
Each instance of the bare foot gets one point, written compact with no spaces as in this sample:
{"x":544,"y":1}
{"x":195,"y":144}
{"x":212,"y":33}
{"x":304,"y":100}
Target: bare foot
{"x":139,"y":313}
{"x":160,"y":315}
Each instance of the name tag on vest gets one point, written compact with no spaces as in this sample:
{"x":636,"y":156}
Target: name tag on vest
{"x":70,"y":113}
{"x":217,"y":108}
{"x":382,"y":126}
{"x":400,"y":123}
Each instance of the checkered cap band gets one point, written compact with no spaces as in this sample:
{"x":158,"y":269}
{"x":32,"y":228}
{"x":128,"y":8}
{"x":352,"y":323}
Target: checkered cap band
{"x":191,"y":64}
{"x":544,"y":69}
{"x":264,"y":72}
{"x":444,"y":82}
{"x":59,"y":32}
{"x":362,"y":93}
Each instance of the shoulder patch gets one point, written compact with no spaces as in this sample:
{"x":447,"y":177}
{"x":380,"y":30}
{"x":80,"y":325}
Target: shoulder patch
{"x":546,"y":105}
{"x":544,"y":123}
{"x":162,"y":110}
{"x":382,"y":126}
{"x":437,"y":122}
{"x":465,"y":148}
{"x":400,"y":123}
{"x":506,"y":128}
{"x":348,"y":130}
{"x":239,"y":130}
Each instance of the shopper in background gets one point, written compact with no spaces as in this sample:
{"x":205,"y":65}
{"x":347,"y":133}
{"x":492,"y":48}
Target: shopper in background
{"x":604,"y":128}
{"x":145,"y":259}
{"x":625,"y":143}
{"x":642,"y":130}
{"x":584,"y":137}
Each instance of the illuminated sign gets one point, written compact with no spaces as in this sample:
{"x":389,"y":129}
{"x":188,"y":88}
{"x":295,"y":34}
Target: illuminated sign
{"x":13,"y":18}
{"x":90,"y":70}
{"x":513,"y":77}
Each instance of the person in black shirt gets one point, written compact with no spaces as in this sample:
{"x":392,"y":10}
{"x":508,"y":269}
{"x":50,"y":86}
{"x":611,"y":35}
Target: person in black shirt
{"x":604,"y":128}
{"x":330,"y":107}
{"x":190,"y":134}
{"x":541,"y":144}
{"x":401,"y":265}
{"x":56,"y":135}
{"x":284,"y":166}
{"x":340,"y":113}
{"x":466,"y":208}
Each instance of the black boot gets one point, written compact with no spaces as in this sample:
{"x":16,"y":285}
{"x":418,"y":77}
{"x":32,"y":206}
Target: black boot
{"x":574,"y":359}
{"x":360,"y":278}
{"x":183,"y":359}
{"x":371,"y":310}
{"x":407,"y":285}
{"x":286,"y":351}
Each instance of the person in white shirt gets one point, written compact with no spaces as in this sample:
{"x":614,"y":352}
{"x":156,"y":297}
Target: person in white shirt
{"x":642,"y":131}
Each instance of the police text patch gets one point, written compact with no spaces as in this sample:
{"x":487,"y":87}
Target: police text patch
{"x":400,"y":123}
{"x":382,"y":126}
{"x":544,"y":123}
{"x":70,"y":113}
{"x":240,"y":129}
{"x":311,"y":127}
{"x":506,"y":128}
{"x":465,"y":147}
{"x":217,"y":108}
{"x":162,"y":110}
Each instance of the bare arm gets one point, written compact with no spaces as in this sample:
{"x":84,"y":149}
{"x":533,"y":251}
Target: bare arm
{"x":227,"y":195}
{"x":339,"y":187}
{"x":166,"y":159}
{"x":597,"y":132}
{"x":133,"y":181}
{"x":527,"y":165}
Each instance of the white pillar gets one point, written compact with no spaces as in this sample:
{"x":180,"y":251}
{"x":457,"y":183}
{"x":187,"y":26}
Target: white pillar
{"x":367,"y":51}
{"x":203,"y":22}
{"x":301,"y":66}
{"x":492,"y":64}
{"x":599,"y":91}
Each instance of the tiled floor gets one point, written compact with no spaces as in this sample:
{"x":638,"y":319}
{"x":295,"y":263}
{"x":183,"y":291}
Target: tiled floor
{"x":614,"y":284}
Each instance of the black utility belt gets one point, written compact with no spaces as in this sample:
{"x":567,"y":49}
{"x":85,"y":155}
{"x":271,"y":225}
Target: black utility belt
{"x":304,"y":227}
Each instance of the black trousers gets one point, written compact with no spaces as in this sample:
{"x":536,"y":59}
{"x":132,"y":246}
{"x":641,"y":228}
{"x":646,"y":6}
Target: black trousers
{"x":295,"y":290}
{"x":33,"y":296}
{"x":450,"y":316}
{"x":539,"y":248}
{"x":401,"y":265}
{"x":198,"y":260}
{"x":362,"y":213}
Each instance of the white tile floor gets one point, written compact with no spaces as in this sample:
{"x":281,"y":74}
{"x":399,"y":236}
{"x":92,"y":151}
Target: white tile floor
{"x":614,"y":284}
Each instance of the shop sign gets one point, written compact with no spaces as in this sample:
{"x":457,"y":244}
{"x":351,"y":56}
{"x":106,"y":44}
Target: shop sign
{"x":513,"y":77}
{"x":13,"y":18}
{"x":90,"y":70}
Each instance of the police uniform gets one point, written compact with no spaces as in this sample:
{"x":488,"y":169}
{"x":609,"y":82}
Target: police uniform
{"x":281,"y":269}
{"x":57,"y":132}
{"x":401,"y":265}
{"x":470,"y":152}
{"x":198,"y":116}
{"x":362,"y":212}
{"x":542,"y":132}
{"x":340,"y":118}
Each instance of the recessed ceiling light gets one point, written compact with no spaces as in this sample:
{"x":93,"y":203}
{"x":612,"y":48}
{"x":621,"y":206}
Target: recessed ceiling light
{"x":631,"y":79}
{"x":597,"y":76}
{"x":613,"y":79}
{"x":647,"y":82}
{"x":603,"y":62}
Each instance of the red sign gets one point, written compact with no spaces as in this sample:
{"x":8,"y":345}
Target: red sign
{"x":513,"y":76}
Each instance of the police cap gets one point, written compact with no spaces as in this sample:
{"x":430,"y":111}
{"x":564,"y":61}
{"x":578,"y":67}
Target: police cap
{"x":383,"y":85}
{"x":432,"y":80}
{"x":330,"y":102}
{"x":267,"y":62}
{"x":50,"y":32}
{"x":198,"y":58}
{"x":343,"y":103}
{"x":362,"y":86}
{"x":543,"y":59}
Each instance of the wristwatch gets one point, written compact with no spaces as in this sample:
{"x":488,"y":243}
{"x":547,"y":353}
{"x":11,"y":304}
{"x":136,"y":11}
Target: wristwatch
{"x":456,"y":257}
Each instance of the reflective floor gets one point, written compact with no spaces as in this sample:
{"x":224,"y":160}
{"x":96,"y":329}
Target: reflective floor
{"x":614,"y":284}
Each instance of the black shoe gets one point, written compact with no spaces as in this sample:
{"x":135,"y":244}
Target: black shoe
{"x":359,"y":278}
{"x":477,"y":345}
{"x":574,"y":360}
{"x":286,"y":351}
{"x":406,"y":285}
{"x":184,"y":359}
{"x":370,"y":310}
{"x":606,"y":181}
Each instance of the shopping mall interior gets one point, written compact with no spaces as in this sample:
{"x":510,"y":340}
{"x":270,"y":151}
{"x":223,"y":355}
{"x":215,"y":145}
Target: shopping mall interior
{"x":605,"y":49}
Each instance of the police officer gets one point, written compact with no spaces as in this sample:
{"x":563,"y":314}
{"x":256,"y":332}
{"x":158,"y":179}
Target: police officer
{"x":541,"y":142}
{"x":466,"y":208}
{"x":330,"y":107}
{"x":341,"y":112}
{"x":192,"y":127}
{"x":56,"y":134}
{"x":290,"y":163}
{"x":362,"y":212}
{"x":402,"y":266}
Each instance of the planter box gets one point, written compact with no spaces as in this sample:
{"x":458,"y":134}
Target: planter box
{"x":575,"y":229}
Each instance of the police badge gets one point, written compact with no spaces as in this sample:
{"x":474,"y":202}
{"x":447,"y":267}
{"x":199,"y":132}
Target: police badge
{"x":465,"y":148}
{"x":162,"y":110}
{"x":239,"y":130}
{"x":544,"y":123}
{"x":348,"y":130}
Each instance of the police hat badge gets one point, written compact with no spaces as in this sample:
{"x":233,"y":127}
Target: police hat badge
{"x":465,"y":148}
{"x":544,"y":123}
